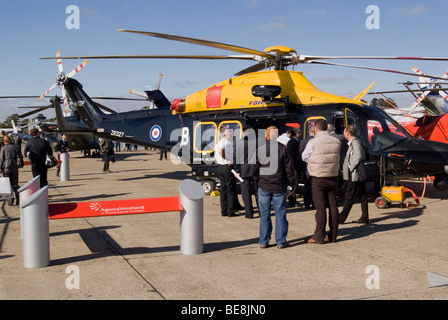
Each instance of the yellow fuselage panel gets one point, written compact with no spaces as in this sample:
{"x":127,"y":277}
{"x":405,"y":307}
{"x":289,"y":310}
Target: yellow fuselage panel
{"x":236,"y":93}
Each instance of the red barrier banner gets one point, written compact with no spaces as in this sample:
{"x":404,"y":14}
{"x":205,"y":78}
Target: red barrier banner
{"x":113,"y":207}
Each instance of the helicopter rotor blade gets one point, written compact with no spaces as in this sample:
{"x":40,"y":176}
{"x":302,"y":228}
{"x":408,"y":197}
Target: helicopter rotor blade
{"x":308,"y":58}
{"x":256,"y":67}
{"x":419,"y":72}
{"x":77,"y":69}
{"x":117,"y":98}
{"x":105,"y":108}
{"x":59,"y":62}
{"x":200,"y":57}
{"x":19,"y":97}
{"x":410,"y":90}
{"x":64,"y":93}
{"x":138,"y":93}
{"x":274,"y":58}
{"x":48,"y":91}
{"x":418,"y":100}
{"x":201,"y":42}
{"x":159,"y":81}
{"x":371,"y":68}
{"x":39,"y":109}
{"x":65,"y":101}
{"x":429,"y":83}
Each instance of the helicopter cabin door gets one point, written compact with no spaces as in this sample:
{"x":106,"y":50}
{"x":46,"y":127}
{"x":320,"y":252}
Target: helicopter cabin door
{"x":207,"y":134}
{"x":204,"y":141}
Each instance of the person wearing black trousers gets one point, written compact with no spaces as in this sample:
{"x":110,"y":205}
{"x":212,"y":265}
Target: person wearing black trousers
{"x":245,"y":159}
{"x":355,"y":189}
{"x":224,"y":158}
{"x":292,"y":148}
{"x":36,"y":150}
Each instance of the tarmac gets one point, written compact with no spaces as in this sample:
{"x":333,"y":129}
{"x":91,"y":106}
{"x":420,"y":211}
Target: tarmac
{"x":400,"y":255}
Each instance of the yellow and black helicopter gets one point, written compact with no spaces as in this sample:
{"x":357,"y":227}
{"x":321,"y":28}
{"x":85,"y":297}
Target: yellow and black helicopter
{"x":190,"y":127}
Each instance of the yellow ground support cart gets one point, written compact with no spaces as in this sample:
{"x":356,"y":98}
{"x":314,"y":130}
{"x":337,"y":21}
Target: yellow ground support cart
{"x":396,"y":194}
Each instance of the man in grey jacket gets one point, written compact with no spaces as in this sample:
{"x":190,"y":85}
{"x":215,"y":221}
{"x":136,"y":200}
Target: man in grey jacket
{"x":355,"y":189}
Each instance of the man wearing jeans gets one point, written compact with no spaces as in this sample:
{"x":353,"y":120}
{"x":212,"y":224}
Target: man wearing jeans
{"x":275,"y":171}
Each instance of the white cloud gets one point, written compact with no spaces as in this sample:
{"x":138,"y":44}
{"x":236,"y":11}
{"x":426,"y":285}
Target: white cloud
{"x":252,"y":3}
{"x":413,"y":11}
{"x":272,"y":26}
{"x":315,"y":13}
{"x":90,"y":13}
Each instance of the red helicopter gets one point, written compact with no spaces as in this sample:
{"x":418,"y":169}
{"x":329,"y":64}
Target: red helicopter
{"x":432,"y":122}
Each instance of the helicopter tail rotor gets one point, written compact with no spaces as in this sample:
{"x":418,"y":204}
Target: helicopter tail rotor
{"x":62,"y":79}
{"x":429,"y":83}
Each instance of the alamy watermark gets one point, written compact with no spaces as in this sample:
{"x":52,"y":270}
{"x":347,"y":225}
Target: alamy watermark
{"x":73,"y":280}
{"x":373,"y":280}
{"x":373,"y":20}
{"x":74,"y":19}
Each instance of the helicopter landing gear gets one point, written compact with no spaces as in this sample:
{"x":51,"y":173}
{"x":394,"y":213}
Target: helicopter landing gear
{"x":208,"y":186}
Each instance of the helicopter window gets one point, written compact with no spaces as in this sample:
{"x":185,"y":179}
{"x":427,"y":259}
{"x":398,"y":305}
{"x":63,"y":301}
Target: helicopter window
{"x":309,"y":126}
{"x":234,"y":125}
{"x":383,"y":134}
{"x":339,"y":125}
{"x":351,"y":120}
{"x":205,"y":134}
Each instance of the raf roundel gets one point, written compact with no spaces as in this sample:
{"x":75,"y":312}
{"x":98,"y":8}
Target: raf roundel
{"x":155,"y":133}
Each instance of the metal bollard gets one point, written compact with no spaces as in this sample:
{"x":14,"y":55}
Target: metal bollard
{"x":36,"y":233}
{"x":26,"y":191}
{"x":191,"y":218}
{"x":65,"y":167}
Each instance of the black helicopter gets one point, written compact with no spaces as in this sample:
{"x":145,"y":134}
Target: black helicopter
{"x":190,"y":127}
{"x":79,"y":135}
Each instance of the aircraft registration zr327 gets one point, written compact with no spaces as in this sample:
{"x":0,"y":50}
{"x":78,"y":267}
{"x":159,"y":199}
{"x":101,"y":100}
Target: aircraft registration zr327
{"x":262,"y":98}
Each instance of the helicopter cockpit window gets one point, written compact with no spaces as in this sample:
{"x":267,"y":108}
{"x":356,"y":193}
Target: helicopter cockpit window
{"x":205,"y":137}
{"x":352,"y":121}
{"x":383,"y":134}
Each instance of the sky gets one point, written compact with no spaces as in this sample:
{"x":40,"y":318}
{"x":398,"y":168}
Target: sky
{"x":30,"y":30}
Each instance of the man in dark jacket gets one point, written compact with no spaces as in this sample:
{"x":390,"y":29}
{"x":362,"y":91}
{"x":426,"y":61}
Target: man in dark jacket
{"x":245,"y":158}
{"x":275,"y":171}
{"x":36,"y":150}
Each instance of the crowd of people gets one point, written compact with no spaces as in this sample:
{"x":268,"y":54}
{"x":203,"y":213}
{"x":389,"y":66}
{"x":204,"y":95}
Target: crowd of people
{"x":273,"y":171}
{"x":37,"y":151}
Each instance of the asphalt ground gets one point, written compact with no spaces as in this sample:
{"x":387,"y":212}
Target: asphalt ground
{"x":400,"y":255}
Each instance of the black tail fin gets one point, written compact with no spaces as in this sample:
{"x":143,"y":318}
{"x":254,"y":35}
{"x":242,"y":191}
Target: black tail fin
{"x":59,"y":114}
{"x":158,"y":98}
{"x":87,"y":109}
